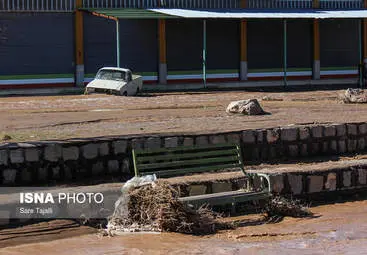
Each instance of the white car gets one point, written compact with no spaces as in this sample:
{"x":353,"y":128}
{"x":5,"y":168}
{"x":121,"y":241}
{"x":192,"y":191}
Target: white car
{"x":114,"y":80}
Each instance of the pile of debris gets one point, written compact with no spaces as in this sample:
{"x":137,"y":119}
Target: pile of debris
{"x":281,"y":207}
{"x":154,"y":206}
{"x":354,"y":96}
{"x":150,"y":205}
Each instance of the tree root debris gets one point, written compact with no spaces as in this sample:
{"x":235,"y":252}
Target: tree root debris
{"x":155,"y":207}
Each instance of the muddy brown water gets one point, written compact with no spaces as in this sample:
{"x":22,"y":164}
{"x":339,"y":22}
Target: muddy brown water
{"x":335,"y":229}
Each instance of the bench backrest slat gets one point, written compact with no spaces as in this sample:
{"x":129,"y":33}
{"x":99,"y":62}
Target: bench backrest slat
{"x":166,"y":162}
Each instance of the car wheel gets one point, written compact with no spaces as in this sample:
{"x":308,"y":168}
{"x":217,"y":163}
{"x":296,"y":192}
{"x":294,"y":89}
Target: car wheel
{"x":124,"y":93}
{"x":137,"y":91}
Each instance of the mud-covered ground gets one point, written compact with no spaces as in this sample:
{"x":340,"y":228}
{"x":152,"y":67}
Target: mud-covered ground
{"x":339,"y":228}
{"x":58,"y":117}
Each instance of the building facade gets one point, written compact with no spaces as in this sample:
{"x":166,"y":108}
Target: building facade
{"x":48,"y":43}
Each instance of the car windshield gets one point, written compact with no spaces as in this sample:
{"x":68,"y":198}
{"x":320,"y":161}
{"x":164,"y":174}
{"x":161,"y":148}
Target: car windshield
{"x":110,"y":75}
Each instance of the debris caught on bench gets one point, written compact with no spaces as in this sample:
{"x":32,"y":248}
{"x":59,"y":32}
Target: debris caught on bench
{"x":281,"y":207}
{"x":154,"y":206}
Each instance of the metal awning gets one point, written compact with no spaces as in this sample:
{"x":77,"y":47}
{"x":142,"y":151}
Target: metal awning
{"x":263,"y":14}
{"x":206,"y":14}
{"x":124,"y":13}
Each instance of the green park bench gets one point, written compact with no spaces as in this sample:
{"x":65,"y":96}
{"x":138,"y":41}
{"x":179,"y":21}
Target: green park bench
{"x":185,"y":160}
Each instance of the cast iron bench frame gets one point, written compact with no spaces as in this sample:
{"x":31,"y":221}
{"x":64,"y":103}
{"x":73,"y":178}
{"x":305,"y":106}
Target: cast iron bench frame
{"x":171,"y":162}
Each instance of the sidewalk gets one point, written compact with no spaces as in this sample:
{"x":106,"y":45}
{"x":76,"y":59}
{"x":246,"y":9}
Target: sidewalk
{"x":41,"y":92}
{"x":350,"y":82}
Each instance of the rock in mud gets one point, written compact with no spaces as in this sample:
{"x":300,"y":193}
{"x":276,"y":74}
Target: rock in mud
{"x":354,"y":96}
{"x":246,"y":107}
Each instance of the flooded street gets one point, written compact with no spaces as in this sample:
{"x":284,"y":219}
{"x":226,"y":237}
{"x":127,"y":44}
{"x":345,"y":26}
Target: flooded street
{"x":334,"y":229}
{"x":62,"y":117}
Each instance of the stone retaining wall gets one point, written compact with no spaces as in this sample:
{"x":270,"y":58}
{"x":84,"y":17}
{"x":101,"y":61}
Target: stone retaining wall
{"x":60,"y":161}
{"x":305,"y":183}
{"x":289,"y":183}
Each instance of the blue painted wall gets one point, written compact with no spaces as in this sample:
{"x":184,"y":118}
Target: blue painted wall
{"x":339,"y":43}
{"x":138,"y":44}
{"x":37,"y":43}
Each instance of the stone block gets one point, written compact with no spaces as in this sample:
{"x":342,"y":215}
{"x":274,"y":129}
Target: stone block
{"x":255,"y":154}
{"x":362,"y":176}
{"x":188,"y":141}
{"x":201,"y":140}
{"x":9,"y":176}
{"x":113,"y":166}
{"x":97,"y":168}
{"x":260,"y":137}
{"x":56,"y":173}
{"x":153,"y":143}
{"x":277,"y":183}
{"x":289,"y":134}
{"x":42,"y":174}
{"x":330,"y":131}
{"x":104,"y":150}
{"x":68,"y":173}
{"x":315,"y":148}
{"x":217,"y":139}
{"x":333,"y":146}
{"x":3,"y":157}
{"x":325,"y":147}
{"x":342,"y":146}
{"x":264,"y":153}
{"x":293,"y":150}
{"x":316,"y":183}
{"x":330,"y":183}
{"x":70,"y":153}
{"x":304,"y":133}
{"x":316,"y":131}
{"x":137,"y":143}
{"x":16,"y":156}
{"x":195,"y":190}
{"x":361,"y":144}
{"x":53,"y":152}
{"x":221,"y":187}
{"x":352,"y":145}
{"x":352,"y":129}
{"x":82,"y":171}
{"x":125,"y":167}
{"x":295,"y":182}
{"x":273,"y":152}
{"x":272,"y":135}
{"x":119,"y":147}
{"x":248,"y":136}
{"x":26,"y":175}
{"x":341,"y":130}
{"x":31,"y":155}
{"x":90,"y":151}
{"x":347,"y":179}
{"x":362,"y":129}
{"x":304,"y":150}
{"x":171,"y":142}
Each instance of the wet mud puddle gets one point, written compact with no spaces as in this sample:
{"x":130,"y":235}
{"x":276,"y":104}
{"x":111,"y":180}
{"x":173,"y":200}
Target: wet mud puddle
{"x":334,"y":229}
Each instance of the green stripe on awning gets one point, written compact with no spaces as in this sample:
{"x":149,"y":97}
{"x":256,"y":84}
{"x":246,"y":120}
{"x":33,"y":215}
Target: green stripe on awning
{"x":126,"y":13}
